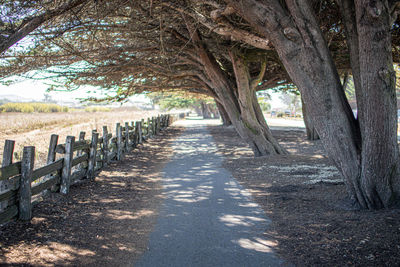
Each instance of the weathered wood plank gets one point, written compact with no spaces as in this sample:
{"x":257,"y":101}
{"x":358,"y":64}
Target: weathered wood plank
{"x":25,"y":194}
{"x":112,"y":155}
{"x":8,"y":152}
{"x":8,"y":214}
{"x":79,"y":145}
{"x":82,"y":146}
{"x":80,"y":159}
{"x":126,"y":141}
{"x":8,"y":194}
{"x":92,"y":156}
{"x":38,"y":188}
{"x":140,"y":132}
{"x":105,"y":147}
{"x":7,"y":160}
{"x":119,"y":141}
{"x":80,"y":141}
{"x":48,"y":169}
{"x":78,"y":175}
{"x":66,"y":170}
{"x":51,"y":155}
{"x":10,"y":170}
{"x":148,"y":128}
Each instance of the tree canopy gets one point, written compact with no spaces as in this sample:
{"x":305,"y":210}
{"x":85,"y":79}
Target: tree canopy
{"x":228,"y":50}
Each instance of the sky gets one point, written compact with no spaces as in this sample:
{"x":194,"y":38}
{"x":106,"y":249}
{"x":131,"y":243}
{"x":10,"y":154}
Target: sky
{"x":36,"y":89}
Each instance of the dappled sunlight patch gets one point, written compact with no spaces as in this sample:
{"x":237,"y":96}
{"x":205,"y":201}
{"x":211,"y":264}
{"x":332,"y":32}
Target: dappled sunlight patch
{"x":50,"y":254}
{"x":129,"y":215}
{"x":231,"y":220}
{"x":200,"y":193}
{"x":248,"y":205}
{"x":111,"y":200}
{"x":315,"y":173}
{"x":258,"y":244}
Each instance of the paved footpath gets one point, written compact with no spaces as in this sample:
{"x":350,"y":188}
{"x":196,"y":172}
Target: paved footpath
{"x":207,"y":218}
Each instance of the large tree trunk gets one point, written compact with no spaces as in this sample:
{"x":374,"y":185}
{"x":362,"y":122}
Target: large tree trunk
{"x":214,"y":111}
{"x":205,"y":110}
{"x":368,"y":164}
{"x":311,"y":132}
{"x":243,"y":117}
{"x":378,"y":112}
{"x":226,"y":121}
{"x":260,"y":136}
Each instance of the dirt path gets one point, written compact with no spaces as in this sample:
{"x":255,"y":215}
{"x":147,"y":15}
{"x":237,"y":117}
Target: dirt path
{"x":303,"y":195}
{"x":207,"y":218}
{"x":108,"y":222}
{"x":101,"y":223}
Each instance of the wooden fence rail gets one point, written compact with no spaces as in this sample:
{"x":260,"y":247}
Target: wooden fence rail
{"x":21,"y":184}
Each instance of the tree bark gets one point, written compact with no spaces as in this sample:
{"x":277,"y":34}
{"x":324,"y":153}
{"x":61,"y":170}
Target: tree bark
{"x":366,"y":154}
{"x":245,"y":117}
{"x":260,"y":136}
{"x":205,"y":110}
{"x":379,"y":154}
{"x":226,"y":121}
{"x":312,"y":134}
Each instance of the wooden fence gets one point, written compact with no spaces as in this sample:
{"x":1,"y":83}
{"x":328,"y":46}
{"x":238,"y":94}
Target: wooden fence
{"x":67,"y":163}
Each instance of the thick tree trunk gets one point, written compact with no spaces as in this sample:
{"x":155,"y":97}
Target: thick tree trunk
{"x":205,"y":110}
{"x":260,"y":137}
{"x":214,"y":111}
{"x":368,"y":164}
{"x":226,"y":121}
{"x":312,"y":134}
{"x":379,"y":154}
{"x":246,"y":122}
{"x":198,"y":110}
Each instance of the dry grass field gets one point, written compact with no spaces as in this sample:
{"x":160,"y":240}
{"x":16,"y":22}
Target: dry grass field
{"x":35,"y":129}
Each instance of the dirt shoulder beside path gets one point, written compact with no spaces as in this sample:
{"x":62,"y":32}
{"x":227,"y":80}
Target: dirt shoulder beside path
{"x":303,"y":197}
{"x":102,"y":223}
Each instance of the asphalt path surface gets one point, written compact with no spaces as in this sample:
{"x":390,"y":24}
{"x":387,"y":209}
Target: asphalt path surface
{"x":207,"y":218}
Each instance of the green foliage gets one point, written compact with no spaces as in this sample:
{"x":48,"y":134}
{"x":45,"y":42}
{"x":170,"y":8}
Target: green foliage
{"x":264,"y":105}
{"x":168,"y":101}
{"x":32,"y":107}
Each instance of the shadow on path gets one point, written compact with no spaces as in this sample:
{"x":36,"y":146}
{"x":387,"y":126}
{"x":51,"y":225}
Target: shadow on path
{"x":207,"y":218}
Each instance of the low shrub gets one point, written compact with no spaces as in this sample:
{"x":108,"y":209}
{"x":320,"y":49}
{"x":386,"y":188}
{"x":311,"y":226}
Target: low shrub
{"x":32,"y":107}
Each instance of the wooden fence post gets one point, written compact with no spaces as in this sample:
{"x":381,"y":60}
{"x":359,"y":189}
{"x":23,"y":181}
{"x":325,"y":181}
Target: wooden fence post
{"x":7,"y":160}
{"x":92,"y":155}
{"x":79,"y":152}
{"x":8,"y":153}
{"x":51,"y":155}
{"x":153,"y":126}
{"x":66,"y":170}
{"x":119,"y":141}
{"x":25,"y":195}
{"x":126,"y":137}
{"x":158,"y":124}
{"x":135,"y":135}
{"x":106,"y":160}
{"x":148,"y":128}
{"x":142,"y":127}
{"x":140,"y":133}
